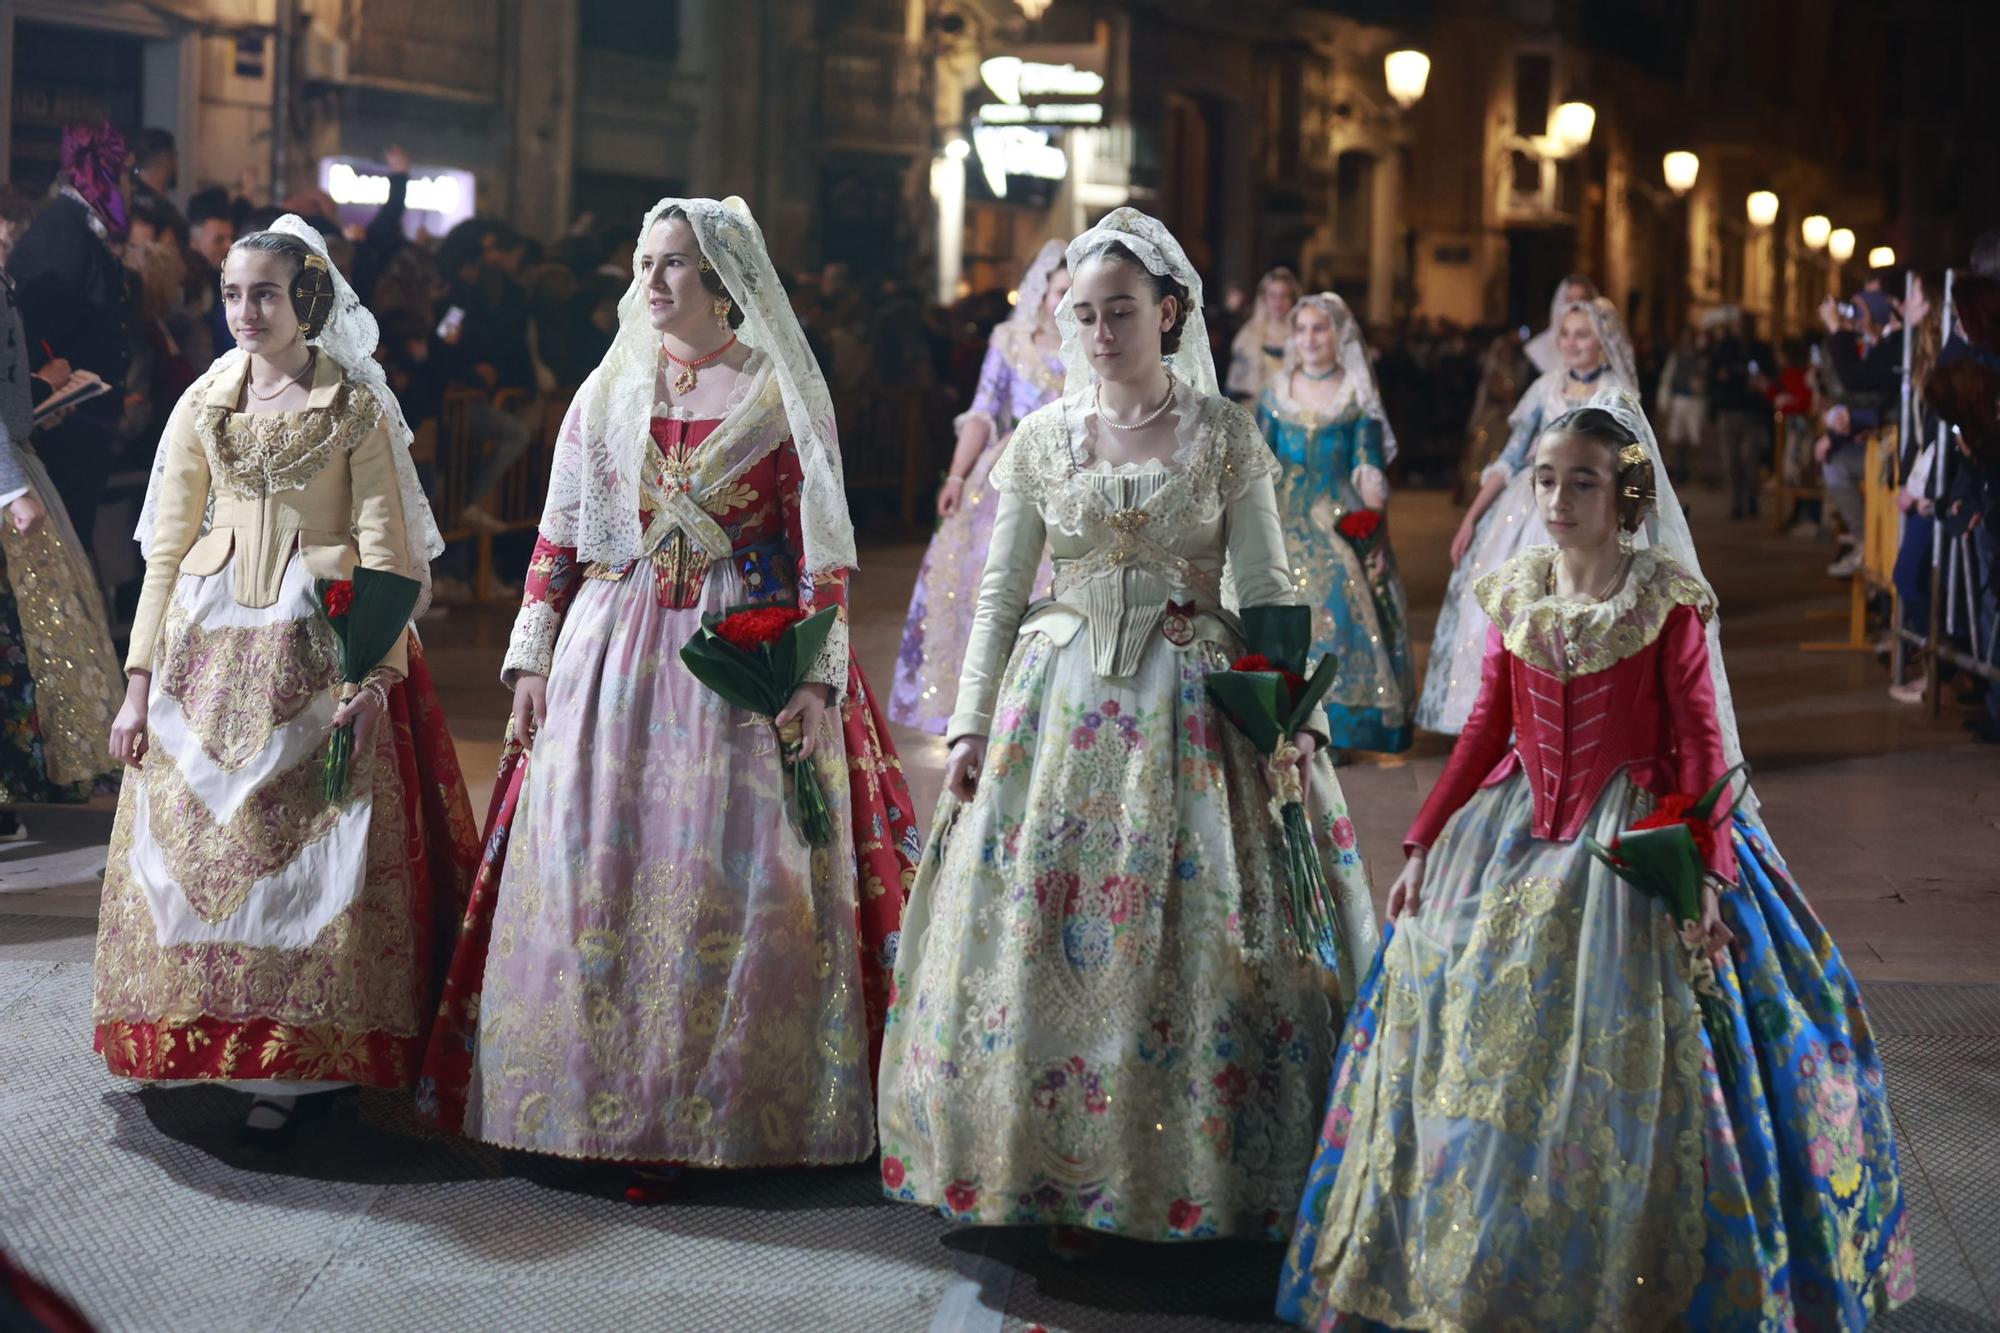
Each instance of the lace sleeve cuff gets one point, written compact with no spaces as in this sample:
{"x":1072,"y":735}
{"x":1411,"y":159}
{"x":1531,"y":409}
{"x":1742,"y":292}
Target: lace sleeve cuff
{"x":830,"y":667}
{"x":532,"y":647}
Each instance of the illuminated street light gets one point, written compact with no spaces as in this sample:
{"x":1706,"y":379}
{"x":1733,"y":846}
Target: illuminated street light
{"x":1840,"y":245}
{"x":1034,"y":9}
{"x":1762,"y":206}
{"x":1573,"y":124}
{"x":1680,"y":168}
{"x":1814,"y":231}
{"x":958,"y":150}
{"x":1882,"y":256}
{"x":1406,"y":73}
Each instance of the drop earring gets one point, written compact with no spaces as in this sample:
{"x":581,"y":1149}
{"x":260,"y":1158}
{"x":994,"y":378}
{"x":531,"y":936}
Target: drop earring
{"x":722,"y":308}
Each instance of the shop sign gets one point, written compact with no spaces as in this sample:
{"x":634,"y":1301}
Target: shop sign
{"x":437,"y":198}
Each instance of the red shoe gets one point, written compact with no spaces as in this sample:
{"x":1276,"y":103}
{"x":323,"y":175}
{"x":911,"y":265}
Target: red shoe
{"x":655,"y":1185}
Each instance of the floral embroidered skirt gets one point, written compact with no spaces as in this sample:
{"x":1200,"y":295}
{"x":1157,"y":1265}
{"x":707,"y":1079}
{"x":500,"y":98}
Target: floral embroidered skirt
{"x":925,"y":691}
{"x":1099,"y":1017}
{"x":249,"y":928}
{"x":1362,"y":625}
{"x":669,"y":973}
{"x":60,"y":683}
{"x":1527,"y":1127}
{"x":1458,"y":644}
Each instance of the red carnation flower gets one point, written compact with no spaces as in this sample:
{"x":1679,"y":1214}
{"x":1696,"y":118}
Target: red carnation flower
{"x":339,"y":597}
{"x":1360,"y":524}
{"x":1674,"y":809}
{"x":750,"y":630}
{"x":1253,"y":662}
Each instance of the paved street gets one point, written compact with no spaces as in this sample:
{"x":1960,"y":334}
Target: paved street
{"x":140,"y":1206}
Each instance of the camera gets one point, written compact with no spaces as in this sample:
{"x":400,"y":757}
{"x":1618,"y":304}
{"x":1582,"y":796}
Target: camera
{"x":1847,"y":309}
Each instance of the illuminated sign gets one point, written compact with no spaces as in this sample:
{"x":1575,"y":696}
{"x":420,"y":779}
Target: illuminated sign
{"x":437,"y":198}
{"x":1043,"y":113}
{"x":1013,"y":79}
{"x":1016,"y":150}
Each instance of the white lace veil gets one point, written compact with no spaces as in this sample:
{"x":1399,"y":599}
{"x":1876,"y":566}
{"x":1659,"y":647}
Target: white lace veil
{"x":1355,"y":369}
{"x":1148,"y":240}
{"x":1034,"y":288}
{"x":593,"y":501}
{"x":1666,"y":529}
{"x":1541,"y":348}
{"x":349,"y":337}
{"x":1621,"y":368}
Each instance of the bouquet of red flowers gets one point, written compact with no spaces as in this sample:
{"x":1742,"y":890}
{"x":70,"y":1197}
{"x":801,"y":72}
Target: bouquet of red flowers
{"x":1362,"y":528}
{"x":1269,"y":701}
{"x":756,"y":657}
{"x":368,"y":613}
{"x":1665,"y":856}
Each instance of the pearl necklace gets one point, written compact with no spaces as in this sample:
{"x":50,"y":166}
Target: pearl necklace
{"x":1144,"y":421}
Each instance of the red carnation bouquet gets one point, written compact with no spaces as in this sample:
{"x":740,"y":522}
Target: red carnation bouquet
{"x":756,"y":657}
{"x":368,"y":613}
{"x":1665,"y":856}
{"x":1362,"y":530}
{"x":1269,"y":701}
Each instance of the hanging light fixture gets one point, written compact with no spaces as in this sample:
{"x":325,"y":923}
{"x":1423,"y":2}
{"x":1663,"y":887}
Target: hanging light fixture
{"x":1572,"y":126}
{"x":1034,"y":9}
{"x":1406,"y":72}
{"x":1840,"y":245}
{"x":1814,"y":231}
{"x":1762,"y":206}
{"x":1681,"y":169}
{"x":1882,"y":256}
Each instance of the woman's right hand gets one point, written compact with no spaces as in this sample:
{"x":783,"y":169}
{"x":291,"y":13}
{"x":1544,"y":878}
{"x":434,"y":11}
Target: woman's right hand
{"x":1461,"y":541}
{"x":1406,"y":894}
{"x":531,"y":705}
{"x":961,"y":769}
{"x":950,"y":495}
{"x":128,"y":732}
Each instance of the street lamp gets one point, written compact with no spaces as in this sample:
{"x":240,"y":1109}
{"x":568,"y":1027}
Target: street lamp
{"x":1034,"y":9}
{"x":1406,"y":73}
{"x":1762,"y":206}
{"x":1840,"y":245}
{"x":1680,"y":168}
{"x":1882,"y":256}
{"x":958,"y":150}
{"x":1573,"y":124}
{"x":1814,"y":231}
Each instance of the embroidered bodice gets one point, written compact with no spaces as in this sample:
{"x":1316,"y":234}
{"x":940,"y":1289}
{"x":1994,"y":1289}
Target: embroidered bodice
{"x":697,"y":511}
{"x":1586,"y":690}
{"x":1336,"y":456}
{"x":320,"y":481}
{"x":1133,"y":546}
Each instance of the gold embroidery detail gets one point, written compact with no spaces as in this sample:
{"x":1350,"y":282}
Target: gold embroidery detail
{"x":237,"y":684}
{"x":252,"y":455}
{"x":78,"y":683}
{"x":1568,"y":638}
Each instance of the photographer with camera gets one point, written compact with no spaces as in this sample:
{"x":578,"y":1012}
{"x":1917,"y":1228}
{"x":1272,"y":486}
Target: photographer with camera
{"x":1865,"y":348}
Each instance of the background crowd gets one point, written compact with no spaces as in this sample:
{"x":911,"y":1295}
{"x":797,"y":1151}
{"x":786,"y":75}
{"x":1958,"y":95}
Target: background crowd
{"x":115,"y":279}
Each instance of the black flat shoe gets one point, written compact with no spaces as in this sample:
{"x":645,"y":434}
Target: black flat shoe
{"x":272,"y":1122}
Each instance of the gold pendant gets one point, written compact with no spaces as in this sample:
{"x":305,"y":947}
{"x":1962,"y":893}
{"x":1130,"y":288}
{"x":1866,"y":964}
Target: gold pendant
{"x":684,"y":382}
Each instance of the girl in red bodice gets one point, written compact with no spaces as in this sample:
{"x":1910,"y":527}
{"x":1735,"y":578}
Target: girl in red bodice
{"x":1528,"y":1125}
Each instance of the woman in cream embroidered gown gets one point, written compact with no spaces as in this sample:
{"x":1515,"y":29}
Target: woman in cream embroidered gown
{"x":1257,"y":352}
{"x":1023,"y":371}
{"x":656,"y":968}
{"x":1324,"y":419}
{"x":1100,"y":1017}
{"x":251,"y":929}
{"x":58,"y":672}
{"x":1528,"y":1127}
{"x":1595,"y":354}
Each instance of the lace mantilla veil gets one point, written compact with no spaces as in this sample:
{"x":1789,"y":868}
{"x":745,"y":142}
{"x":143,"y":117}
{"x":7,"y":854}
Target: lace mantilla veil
{"x":1666,"y":529}
{"x":349,"y":338}
{"x":1034,"y":288}
{"x":1621,"y":368}
{"x":1355,"y":369}
{"x":594,"y":494}
{"x":1193,"y":363}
